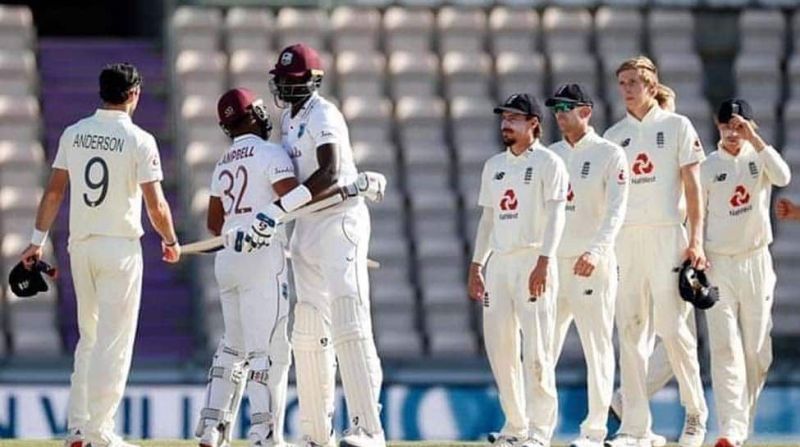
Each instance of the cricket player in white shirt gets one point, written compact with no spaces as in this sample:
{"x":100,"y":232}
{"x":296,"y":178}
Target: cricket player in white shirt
{"x":112,"y":163}
{"x":523,"y":194}
{"x":254,"y":351}
{"x":587,"y":266}
{"x":329,"y":258}
{"x":737,"y":188}
{"x":664,"y":151}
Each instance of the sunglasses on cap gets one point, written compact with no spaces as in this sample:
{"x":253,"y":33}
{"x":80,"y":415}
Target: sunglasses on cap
{"x":564,"y":106}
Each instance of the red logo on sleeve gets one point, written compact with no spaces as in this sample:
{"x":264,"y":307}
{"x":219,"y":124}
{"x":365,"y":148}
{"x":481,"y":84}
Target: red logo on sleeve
{"x":622,"y":177}
{"x":509,"y":201}
{"x":642,"y":165}
{"x":740,"y":197}
{"x":570,"y":193}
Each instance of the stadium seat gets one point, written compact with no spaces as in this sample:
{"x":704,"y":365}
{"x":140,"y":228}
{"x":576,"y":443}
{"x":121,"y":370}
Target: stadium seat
{"x":567,"y":30}
{"x":18,"y":75}
{"x":355,"y":29}
{"x":201,"y":73}
{"x":196,"y":28}
{"x":683,"y":73}
{"x":361,"y":73}
{"x":413,"y":74}
{"x":671,"y":31}
{"x":791,"y":125}
{"x":700,"y":114}
{"x":758,"y":76}
{"x":513,"y":30}
{"x":519,"y":72}
{"x":793,"y":75}
{"x":475,"y":128}
{"x":461,"y":29}
{"x":618,"y":31}
{"x":762,"y":32}
{"x":21,"y":163}
{"x":766,"y":115}
{"x":408,"y":29}
{"x":565,"y":67}
{"x":249,"y":29}
{"x":420,"y":119}
{"x":370,"y":123}
{"x":19,"y":118}
{"x":249,"y":69}
{"x":16,"y":28}
{"x":394,"y":344}
{"x":466,"y":74}
{"x":295,"y":25}
{"x":199,"y":116}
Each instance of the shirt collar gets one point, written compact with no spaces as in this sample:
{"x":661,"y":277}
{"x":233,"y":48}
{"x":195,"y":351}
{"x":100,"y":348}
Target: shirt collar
{"x":725,"y":155}
{"x":649,"y":116}
{"x":587,"y":138}
{"x":523,"y":156}
{"x":112,"y":114}
{"x":306,"y":106}
{"x":244,"y":137}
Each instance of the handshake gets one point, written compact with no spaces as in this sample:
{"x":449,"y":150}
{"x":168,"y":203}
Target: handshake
{"x":370,"y":185}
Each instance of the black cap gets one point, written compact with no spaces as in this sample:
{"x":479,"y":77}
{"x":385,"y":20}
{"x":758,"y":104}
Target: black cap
{"x":694,"y":287}
{"x":521,"y":103}
{"x":734,"y":106}
{"x":571,"y":93}
{"x":116,"y":81}
{"x":25,"y":283}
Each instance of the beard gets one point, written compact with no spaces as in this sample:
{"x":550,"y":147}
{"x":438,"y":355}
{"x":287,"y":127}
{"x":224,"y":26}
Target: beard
{"x":508,"y":138}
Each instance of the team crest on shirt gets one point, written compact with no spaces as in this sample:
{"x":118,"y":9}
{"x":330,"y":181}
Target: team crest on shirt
{"x":585,"y":169}
{"x":740,"y":201}
{"x":643,"y":169}
{"x":660,"y":140}
{"x":528,"y":175}
{"x":625,"y":143}
{"x":753,"y":169}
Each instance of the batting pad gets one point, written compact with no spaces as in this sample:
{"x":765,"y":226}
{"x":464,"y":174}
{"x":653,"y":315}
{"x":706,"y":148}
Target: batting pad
{"x":257,"y":390}
{"x":358,"y":363}
{"x":277,"y":381}
{"x":315,"y":371}
{"x":224,"y":392}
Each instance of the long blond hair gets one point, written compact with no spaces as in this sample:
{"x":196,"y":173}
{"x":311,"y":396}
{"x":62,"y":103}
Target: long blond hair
{"x":666,"y":97}
{"x":644,"y":67}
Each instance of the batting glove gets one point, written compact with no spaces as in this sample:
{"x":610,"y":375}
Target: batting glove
{"x":263,"y":227}
{"x":370,"y":185}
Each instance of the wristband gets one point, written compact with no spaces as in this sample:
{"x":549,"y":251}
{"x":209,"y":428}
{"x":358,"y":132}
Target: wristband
{"x":168,"y":244}
{"x":38,"y":238}
{"x":295,"y":198}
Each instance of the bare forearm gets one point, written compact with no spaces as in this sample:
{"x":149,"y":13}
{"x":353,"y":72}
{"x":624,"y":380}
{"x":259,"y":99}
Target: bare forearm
{"x":48,"y":210}
{"x":161,"y":218}
{"x":695,"y":215}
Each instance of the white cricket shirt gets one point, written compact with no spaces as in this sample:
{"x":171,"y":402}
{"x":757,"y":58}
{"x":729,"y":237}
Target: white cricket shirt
{"x":736,"y":194}
{"x":596,"y":197}
{"x":107,"y":157}
{"x":657,"y":147}
{"x":318,"y":122}
{"x":244,"y":176}
{"x":516,"y":188}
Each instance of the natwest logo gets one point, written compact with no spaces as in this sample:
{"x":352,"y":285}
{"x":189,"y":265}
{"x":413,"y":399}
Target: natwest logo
{"x":740,"y":197}
{"x":642,"y":165}
{"x":509,"y":201}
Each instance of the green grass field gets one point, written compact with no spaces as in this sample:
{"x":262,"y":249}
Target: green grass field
{"x":182,"y":443}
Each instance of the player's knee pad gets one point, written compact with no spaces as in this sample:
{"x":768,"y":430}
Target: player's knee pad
{"x":315,"y":369}
{"x":226,"y":381}
{"x":358,"y":362}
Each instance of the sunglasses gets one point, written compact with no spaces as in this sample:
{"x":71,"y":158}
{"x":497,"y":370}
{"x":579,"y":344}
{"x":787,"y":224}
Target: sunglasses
{"x":564,"y":107}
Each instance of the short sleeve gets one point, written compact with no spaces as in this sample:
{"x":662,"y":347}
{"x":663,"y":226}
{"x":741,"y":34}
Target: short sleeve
{"x":279,"y":165}
{"x":216,"y":191}
{"x":484,"y":195}
{"x":60,"y":162}
{"x":148,"y":161}
{"x":555,"y":180}
{"x":690,"y":149}
{"x":327,"y":126}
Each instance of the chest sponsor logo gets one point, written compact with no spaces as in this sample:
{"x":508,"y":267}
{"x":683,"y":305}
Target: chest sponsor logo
{"x":570,"y":198}
{"x":585,"y":169}
{"x":528,"y":175}
{"x":508,"y":205}
{"x":740,"y":201}
{"x":721,"y":177}
{"x":499,"y":175}
{"x":660,"y":140}
{"x":625,"y":143}
{"x":642,"y":169}
{"x":753,"y":169}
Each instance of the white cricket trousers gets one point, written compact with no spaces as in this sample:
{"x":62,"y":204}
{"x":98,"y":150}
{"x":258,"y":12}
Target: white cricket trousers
{"x":739,"y":327}
{"x":527,"y":389}
{"x":107,"y":274}
{"x":648,"y":303}
{"x":590,"y":301}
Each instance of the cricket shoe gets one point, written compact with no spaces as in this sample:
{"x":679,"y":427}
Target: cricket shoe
{"x":74,"y":438}
{"x":533,"y":441}
{"x":307,"y":442}
{"x":694,"y":431}
{"x":615,"y":412}
{"x":359,"y":437}
{"x":108,"y":440}
{"x":500,"y":440}
{"x":585,"y":441}
{"x":728,"y":442}
{"x":212,"y":437}
{"x":624,"y":440}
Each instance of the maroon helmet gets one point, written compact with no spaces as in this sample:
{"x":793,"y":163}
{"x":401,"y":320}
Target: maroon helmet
{"x":297,"y":74}
{"x":238,"y":104}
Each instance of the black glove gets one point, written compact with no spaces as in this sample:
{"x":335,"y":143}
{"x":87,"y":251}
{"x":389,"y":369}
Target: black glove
{"x":694,"y":287}
{"x":25,"y":283}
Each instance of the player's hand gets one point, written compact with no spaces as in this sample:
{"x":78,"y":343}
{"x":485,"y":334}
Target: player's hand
{"x":786,"y":210}
{"x":263,"y":227}
{"x":31,"y":254}
{"x":537,"y":281}
{"x":585,"y":265}
{"x":170,"y":253}
{"x":697,"y":256}
{"x":745,"y":128}
{"x":475,"y":283}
